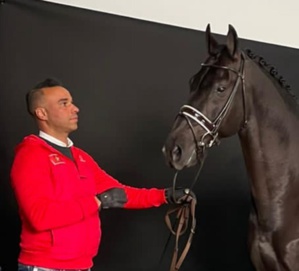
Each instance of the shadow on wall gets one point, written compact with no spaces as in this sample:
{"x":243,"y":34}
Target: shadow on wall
{"x":10,"y":224}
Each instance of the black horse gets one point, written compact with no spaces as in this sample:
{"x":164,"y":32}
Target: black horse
{"x":235,"y":92}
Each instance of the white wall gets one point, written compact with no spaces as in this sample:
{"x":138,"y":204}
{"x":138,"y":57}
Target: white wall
{"x":269,"y":21}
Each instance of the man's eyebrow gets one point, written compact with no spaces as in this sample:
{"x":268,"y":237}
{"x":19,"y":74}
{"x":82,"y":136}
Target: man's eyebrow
{"x":63,"y":100}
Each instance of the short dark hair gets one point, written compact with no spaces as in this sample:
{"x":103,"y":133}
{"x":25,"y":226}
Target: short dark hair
{"x":33,"y":95}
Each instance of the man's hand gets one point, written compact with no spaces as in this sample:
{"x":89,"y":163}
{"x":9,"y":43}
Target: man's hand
{"x":113,"y":198}
{"x":179,"y":195}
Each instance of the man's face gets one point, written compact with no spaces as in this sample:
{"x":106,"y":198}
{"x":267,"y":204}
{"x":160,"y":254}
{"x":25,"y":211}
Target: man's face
{"x":61,"y":115}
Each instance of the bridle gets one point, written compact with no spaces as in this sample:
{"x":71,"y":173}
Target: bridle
{"x":211,"y":128}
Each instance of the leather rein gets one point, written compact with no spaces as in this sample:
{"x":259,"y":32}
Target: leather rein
{"x":186,"y":211}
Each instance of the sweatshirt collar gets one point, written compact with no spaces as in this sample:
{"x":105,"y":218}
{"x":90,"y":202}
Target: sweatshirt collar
{"x":55,"y":140}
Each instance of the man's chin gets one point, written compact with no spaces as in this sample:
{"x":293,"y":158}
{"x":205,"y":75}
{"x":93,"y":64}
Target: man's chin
{"x":73,"y":128}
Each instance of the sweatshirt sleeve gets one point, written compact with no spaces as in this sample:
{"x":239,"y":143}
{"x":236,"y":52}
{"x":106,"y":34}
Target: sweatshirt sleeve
{"x":137,"y":198}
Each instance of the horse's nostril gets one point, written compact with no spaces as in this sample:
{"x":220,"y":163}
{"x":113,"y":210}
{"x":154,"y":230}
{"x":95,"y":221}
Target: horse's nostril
{"x":176,"y":153}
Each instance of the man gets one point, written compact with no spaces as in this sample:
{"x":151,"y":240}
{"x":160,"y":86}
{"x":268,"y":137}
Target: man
{"x":60,"y":188}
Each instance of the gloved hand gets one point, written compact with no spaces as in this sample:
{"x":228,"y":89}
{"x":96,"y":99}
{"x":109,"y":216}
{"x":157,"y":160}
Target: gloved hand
{"x":179,"y":195}
{"x":113,"y":198}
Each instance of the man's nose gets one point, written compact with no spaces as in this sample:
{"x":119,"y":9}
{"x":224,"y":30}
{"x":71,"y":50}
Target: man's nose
{"x":76,"y":108}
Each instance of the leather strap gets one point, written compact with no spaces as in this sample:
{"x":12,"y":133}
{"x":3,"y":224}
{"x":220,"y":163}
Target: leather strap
{"x":185,"y":212}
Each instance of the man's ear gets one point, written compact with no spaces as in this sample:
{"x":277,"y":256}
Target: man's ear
{"x":41,"y":113}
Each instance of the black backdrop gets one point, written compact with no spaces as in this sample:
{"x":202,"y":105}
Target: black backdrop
{"x":129,"y":78}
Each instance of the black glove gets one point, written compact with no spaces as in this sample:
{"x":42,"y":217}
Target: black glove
{"x":113,"y":198}
{"x":179,"y":195}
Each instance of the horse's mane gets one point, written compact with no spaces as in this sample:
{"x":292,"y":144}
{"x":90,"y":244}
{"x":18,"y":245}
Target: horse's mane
{"x":271,"y":70}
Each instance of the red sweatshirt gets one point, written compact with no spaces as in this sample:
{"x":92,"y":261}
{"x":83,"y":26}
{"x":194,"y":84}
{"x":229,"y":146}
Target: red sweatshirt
{"x":56,"y":197}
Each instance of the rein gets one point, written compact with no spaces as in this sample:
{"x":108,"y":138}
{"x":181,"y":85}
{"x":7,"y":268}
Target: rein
{"x":186,"y":211}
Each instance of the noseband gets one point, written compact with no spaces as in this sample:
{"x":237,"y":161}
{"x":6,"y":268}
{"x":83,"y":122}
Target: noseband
{"x":212,"y":127}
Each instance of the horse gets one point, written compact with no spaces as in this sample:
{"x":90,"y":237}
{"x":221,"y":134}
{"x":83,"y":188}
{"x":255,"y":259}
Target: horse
{"x":236,"y":92}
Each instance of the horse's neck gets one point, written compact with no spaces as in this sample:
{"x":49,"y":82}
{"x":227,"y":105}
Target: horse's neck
{"x":270,"y":142}
{"x":273,"y":128}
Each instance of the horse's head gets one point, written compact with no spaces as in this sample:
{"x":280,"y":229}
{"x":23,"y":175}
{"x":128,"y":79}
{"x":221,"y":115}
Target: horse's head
{"x":215,"y":107}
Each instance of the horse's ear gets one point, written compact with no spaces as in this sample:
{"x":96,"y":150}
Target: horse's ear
{"x":232,"y":40}
{"x":211,"y":42}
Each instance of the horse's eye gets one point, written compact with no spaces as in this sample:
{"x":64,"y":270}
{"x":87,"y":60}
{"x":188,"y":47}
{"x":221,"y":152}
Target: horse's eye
{"x":221,"y":89}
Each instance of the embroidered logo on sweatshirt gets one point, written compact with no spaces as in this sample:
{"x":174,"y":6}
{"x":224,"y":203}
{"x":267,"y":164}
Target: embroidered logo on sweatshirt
{"x":55,"y":159}
{"x":81,"y":159}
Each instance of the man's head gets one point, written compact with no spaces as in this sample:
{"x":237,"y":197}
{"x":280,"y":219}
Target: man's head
{"x":52,"y":106}
{"x":35,"y":95}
